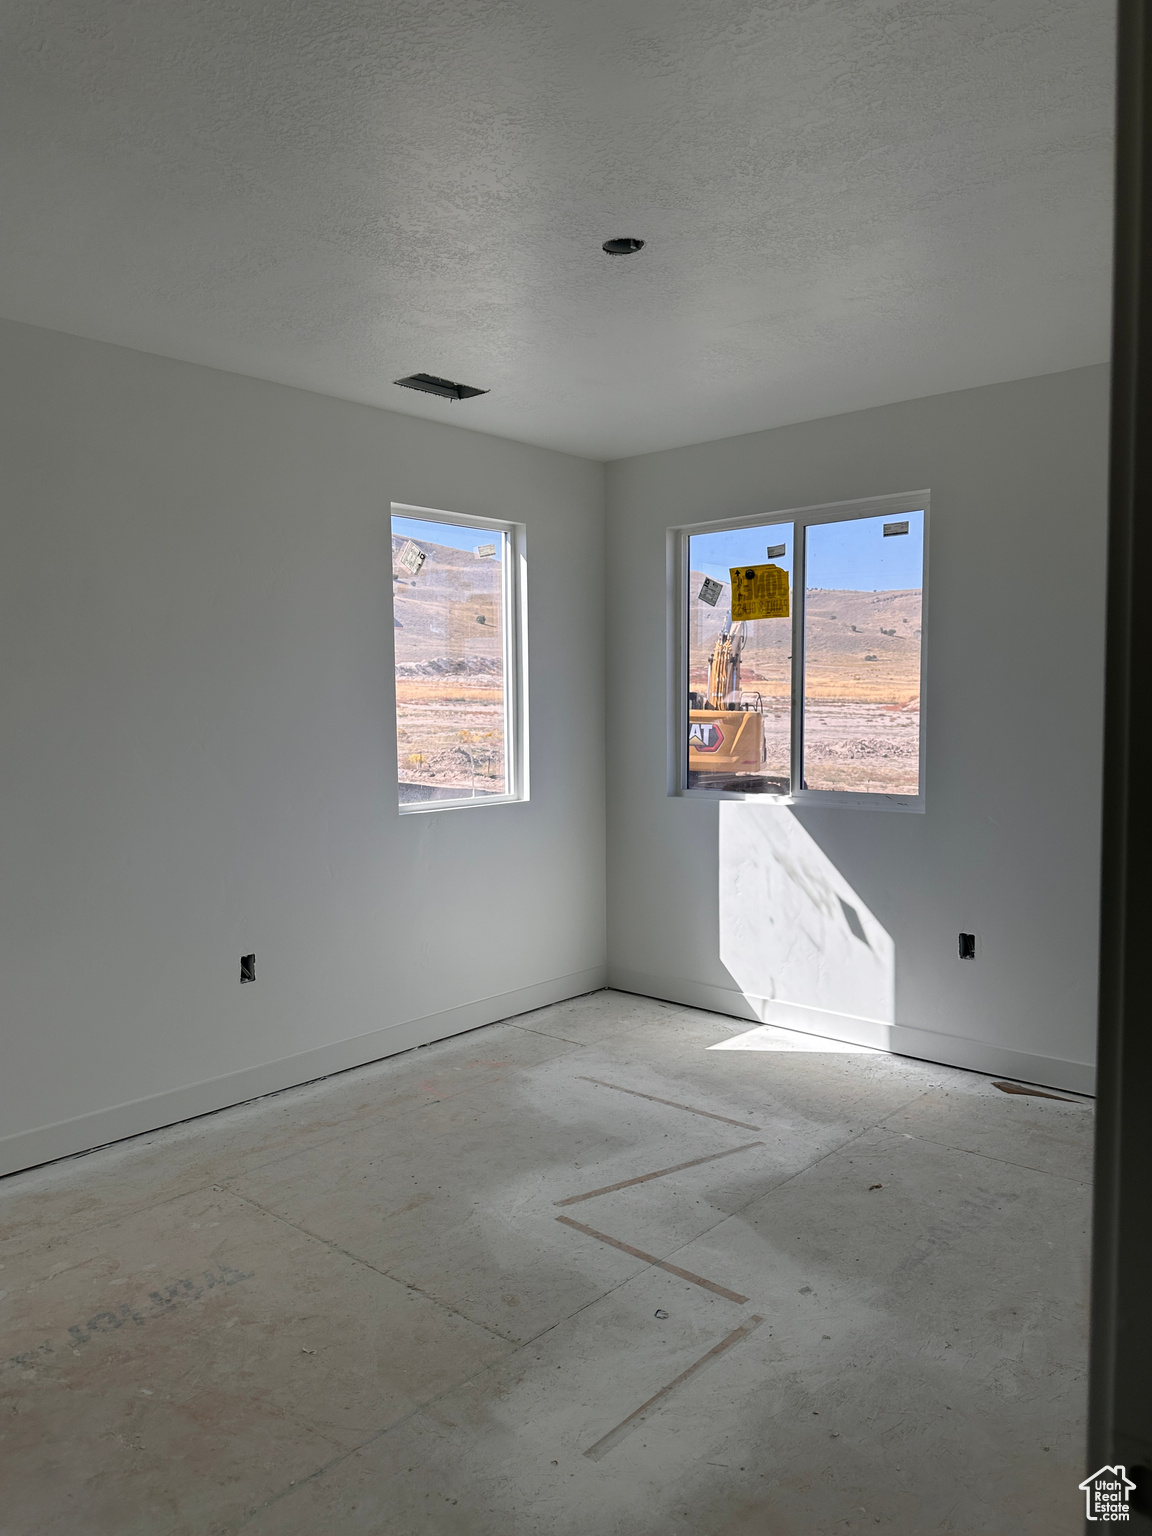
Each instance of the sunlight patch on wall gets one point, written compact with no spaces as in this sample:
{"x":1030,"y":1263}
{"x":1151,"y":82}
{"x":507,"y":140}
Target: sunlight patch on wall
{"x":793,"y":932}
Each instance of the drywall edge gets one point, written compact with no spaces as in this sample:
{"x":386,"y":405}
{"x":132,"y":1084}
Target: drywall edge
{"x":66,"y":1138}
{"x":899,"y":1039}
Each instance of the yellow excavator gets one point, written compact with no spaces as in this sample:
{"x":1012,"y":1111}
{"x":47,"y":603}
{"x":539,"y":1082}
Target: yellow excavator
{"x":725,"y":734}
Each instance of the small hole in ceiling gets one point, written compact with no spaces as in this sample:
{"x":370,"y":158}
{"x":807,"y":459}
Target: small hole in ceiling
{"x":622,"y":246}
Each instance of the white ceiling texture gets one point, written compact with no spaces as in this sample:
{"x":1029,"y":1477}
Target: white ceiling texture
{"x":845,"y":202}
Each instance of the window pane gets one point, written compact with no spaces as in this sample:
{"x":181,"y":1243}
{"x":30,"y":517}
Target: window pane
{"x":739,"y":674}
{"x":864,"y":590}
{"x":450,"y":664}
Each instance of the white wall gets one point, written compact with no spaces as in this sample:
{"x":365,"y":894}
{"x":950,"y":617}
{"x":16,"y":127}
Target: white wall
{"x":735,"y":907}
{"x":199,"y":748}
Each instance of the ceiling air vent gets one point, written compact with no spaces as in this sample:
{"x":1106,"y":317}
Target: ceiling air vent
{"x":431,"y":385}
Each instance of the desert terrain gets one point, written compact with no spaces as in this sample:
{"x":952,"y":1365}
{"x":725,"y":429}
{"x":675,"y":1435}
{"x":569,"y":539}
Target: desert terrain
{"x":449,"y":672}
{"x":863,"y":679}
{"x":862,"y":684}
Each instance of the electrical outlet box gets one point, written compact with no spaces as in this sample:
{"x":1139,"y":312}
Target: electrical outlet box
{"x":967,"y":946}
{"x":247,"y":968}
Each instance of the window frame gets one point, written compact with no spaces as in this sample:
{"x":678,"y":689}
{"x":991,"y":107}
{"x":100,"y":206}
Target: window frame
{"x":801,"y":519}
{"x":514,"y":637}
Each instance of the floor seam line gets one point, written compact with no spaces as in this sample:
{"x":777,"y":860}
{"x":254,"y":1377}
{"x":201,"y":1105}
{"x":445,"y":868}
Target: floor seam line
{"x":387,"y":1430}
{"x":314,"y":1146}
{"x":991,"y":1157}
{"x":197,"y":1189}
{"x":328,"y":1466}
{"x":583,"y":1307}
{"x":728,"y":1215}
{"x":916,"y":1098}
{"x":375,"y":1268}
{"x":545,"y":1035}
{"x":138,"y":1210}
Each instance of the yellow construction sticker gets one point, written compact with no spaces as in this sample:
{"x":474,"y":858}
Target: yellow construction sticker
{"x":758,"y":592}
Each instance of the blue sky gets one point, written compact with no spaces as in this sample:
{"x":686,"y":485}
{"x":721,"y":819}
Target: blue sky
{"x":716,"y":553}
{"x":452,"y":535}
{"x":852,"y":556}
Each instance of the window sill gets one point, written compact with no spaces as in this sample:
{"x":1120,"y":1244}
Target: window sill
{"x":812,"y":799}
{"x":465,"y":803}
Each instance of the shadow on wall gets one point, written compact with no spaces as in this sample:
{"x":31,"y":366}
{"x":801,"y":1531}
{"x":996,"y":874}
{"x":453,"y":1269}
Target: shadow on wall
{"x":796,"y":938}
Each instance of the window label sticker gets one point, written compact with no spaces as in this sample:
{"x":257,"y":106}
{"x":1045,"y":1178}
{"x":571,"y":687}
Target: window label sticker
{"x":710,"y":591}
{"x":893,"y":528}
{"x":777,"y":551}
{"x":484,"y":551}
{"x":411,"y":558}
{"x":759,"y":592}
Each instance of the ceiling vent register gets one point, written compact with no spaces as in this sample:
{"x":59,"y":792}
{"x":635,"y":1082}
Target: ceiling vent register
{"x":429,"y":384}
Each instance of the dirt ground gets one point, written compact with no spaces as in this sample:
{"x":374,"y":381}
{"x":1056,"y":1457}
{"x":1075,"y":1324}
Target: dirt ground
{"x":863,"y":680}
{"x":862,"y":684}
{"x":850,"y":744}
{"x":450,"y":732}
{"x":449,"y":673}
{"x":869,"y":748}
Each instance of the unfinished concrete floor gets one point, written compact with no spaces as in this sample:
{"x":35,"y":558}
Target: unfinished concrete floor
{"x":355,"y":1307}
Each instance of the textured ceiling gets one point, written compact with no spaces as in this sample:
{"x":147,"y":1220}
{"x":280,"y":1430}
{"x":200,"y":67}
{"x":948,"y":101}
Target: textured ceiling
{"x":846,"y":202}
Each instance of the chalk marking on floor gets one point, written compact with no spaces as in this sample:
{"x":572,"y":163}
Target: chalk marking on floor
{"x":614,"y":1436}
{"x":660,"y":1173}
{"x":672,"y":1103}
{"x":650,"y":1258}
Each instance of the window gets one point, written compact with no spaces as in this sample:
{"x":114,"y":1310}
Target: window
{"x":457,"y":611}
{"x":802,"y":655}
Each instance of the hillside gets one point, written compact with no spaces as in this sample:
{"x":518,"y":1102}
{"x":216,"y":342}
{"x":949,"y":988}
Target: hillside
{"x":447,"y":617}
{"x":859,"y":645}
{"x":449,"y":672}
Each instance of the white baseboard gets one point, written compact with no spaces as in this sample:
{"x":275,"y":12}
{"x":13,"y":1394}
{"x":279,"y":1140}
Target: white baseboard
{"x":901,"y":1039}
{"x":45,"y":1143}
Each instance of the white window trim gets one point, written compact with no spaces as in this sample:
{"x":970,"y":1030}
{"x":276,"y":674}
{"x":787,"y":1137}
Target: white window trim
{"x":514,"y":621}
{"x":801,"y":518}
